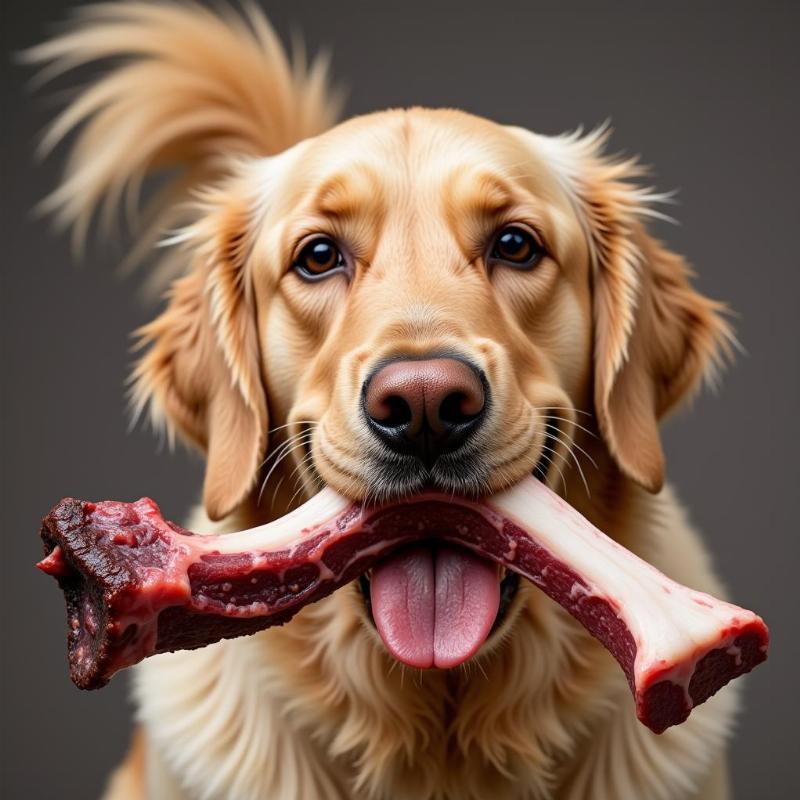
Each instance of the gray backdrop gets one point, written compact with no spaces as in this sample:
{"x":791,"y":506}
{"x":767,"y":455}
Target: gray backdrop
{"x":705,"y":92}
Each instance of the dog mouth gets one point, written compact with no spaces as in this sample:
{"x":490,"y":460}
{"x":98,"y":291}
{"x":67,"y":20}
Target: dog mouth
{"x":435,"y":604}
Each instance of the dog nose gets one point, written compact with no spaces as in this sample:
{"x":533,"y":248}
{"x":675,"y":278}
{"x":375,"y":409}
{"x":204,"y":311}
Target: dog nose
{"x":426,"y":407}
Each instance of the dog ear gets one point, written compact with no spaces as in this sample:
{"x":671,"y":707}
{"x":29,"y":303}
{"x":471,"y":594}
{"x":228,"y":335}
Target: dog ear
{"x":201,"y":375}
{"x":655,"y":337}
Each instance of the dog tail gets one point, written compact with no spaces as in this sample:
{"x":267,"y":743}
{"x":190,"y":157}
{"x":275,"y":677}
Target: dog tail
{"x":188,"y":92}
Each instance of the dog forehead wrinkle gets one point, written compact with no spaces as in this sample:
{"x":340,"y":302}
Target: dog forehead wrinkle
{"x":348,"y":192}
{"x":476,"y":191}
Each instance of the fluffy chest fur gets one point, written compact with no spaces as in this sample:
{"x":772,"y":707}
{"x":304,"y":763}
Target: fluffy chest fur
{"x":317,"y":709}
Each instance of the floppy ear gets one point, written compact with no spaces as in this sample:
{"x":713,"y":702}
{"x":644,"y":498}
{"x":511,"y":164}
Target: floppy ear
{"x":655,"y":337}
{"x":201,"y":374}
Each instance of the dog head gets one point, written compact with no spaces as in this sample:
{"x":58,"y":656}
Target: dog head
{"x":425,"y":298}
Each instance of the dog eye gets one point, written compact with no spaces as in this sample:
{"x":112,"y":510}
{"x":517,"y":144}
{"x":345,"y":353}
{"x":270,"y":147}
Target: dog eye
{"x":318,"y":259}
{"x":516,"y":247}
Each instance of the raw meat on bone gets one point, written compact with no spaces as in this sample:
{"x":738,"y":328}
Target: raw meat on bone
{"x":136,"y":585}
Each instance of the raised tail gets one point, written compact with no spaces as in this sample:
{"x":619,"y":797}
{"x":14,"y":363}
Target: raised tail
{"x":188,"y":92}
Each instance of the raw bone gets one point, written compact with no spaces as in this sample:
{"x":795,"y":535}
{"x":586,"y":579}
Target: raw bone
{"x":136,"y":585}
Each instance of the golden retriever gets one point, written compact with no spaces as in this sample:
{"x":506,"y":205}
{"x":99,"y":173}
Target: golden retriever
{"x":305,"y":257}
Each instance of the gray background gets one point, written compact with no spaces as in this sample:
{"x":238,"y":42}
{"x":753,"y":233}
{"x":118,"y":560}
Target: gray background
{"x":705,"y":92}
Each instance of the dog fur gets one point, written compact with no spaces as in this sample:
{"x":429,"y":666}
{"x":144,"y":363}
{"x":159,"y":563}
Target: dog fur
{"x":257,"y":370}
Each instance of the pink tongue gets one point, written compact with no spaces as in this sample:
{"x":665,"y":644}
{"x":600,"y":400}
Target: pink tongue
{"x":434,"y":607}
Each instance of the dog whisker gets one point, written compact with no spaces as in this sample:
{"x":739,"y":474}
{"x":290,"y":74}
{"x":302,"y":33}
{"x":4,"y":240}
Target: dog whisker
{"x":571,"y":422}
{"x":275,"y":491}
{"x":577,"y":464}
{"x":302,"y":463}
{"x":304,"y":422}
{"x":570,"y":446}
{"x":301,"y":466}
{"x":274,"y":453}
{"x":534,"y":461}
{"x":554,"y":452}
{"x":284,"y":451}
{"x":565,"y":408}
{"x":295,"y":442}
{"x":574,"y":455}
{"x":304,"y":468}
{"x":300,"y":477}
{"x":557,"y":433}
{"x":294,"y":496}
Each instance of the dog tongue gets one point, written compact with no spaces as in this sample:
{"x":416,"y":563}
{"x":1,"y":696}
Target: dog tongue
{"x":434,"y":606}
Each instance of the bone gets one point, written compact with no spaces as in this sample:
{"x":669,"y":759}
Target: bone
{"x":136,"y":585}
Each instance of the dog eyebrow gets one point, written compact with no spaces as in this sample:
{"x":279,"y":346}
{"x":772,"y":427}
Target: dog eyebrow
{"x":345,"y":194}
{"x":482,"y":194}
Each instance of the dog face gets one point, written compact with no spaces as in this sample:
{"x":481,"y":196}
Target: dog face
{"x":425,"y":298}
{"x":414,"y":221}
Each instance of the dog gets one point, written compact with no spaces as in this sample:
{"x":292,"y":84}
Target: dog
{"x":309,"y":262}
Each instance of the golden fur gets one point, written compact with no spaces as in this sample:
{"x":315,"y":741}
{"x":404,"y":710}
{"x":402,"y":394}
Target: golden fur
{"x":262,"y":372}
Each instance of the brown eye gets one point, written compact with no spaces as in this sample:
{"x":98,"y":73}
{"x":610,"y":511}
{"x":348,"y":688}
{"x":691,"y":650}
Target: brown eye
{"x":516,"y":247}
{"x":318,"y":259}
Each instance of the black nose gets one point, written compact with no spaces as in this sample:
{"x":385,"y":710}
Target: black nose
{"x":425,"y":407}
